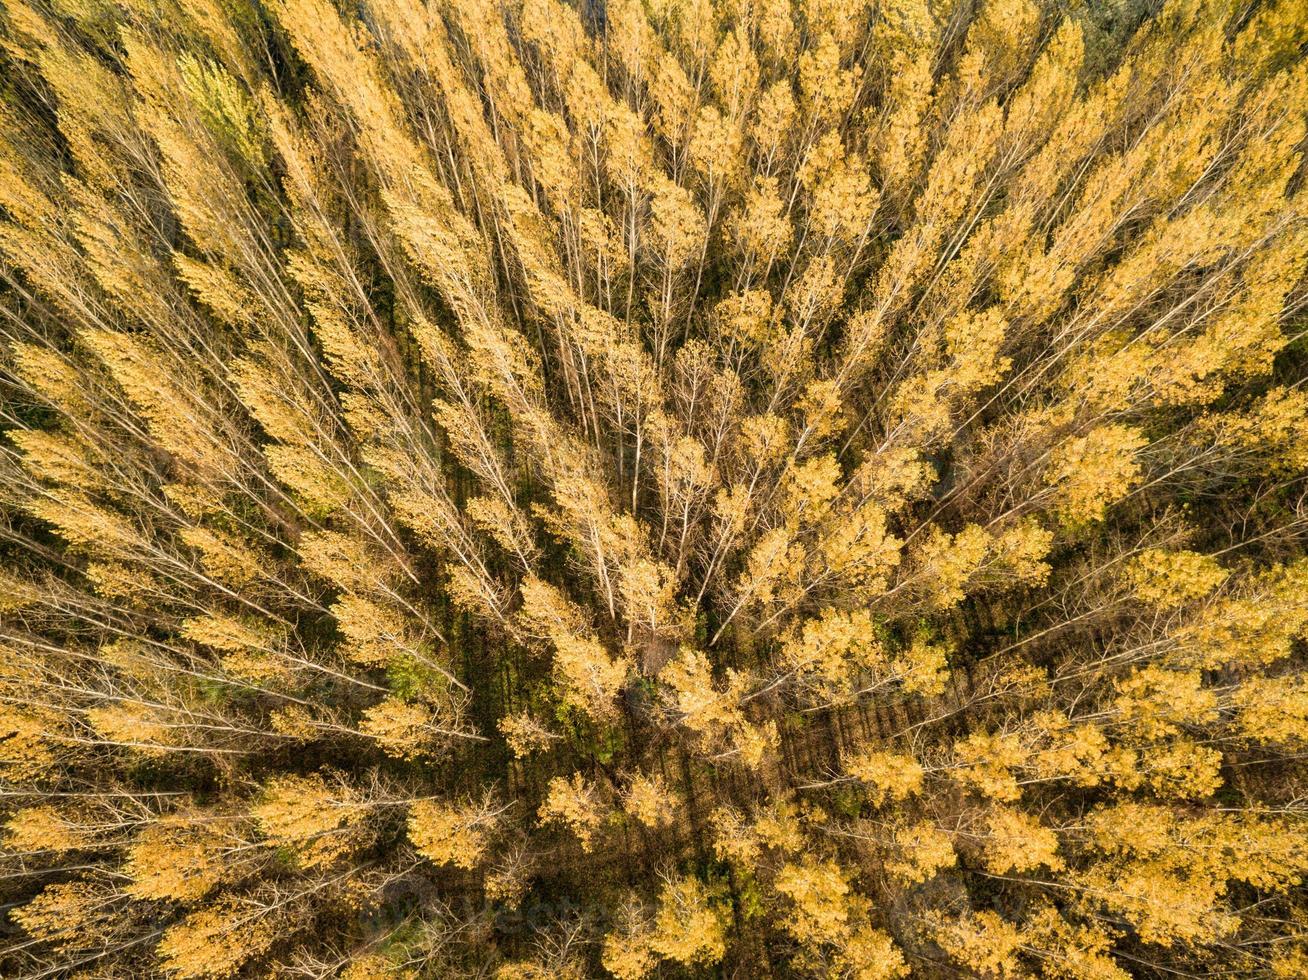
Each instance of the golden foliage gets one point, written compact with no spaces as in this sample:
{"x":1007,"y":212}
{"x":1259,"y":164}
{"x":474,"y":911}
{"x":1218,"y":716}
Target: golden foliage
{"x":576,"y":805}
{"x":788,"y":487}
{"x":447,"y":835}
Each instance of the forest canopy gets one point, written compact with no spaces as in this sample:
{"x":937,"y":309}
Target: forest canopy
{"x":526,"y":489}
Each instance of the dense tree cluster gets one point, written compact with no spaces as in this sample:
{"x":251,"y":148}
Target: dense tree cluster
{"x":684,"y":488}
